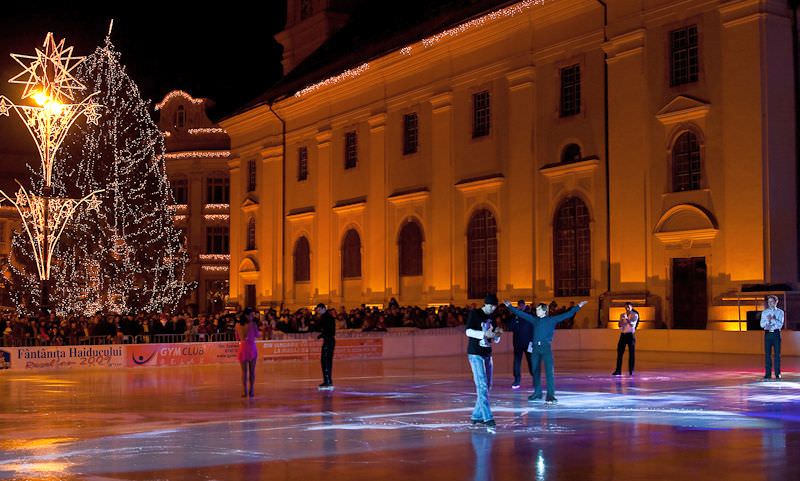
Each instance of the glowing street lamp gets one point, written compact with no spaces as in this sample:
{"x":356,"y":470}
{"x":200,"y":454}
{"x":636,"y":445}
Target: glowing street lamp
{"x":48,"y":81}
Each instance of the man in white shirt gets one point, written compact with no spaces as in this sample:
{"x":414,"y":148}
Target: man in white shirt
{"x":628,"y":321}
{"x":772,"y":322}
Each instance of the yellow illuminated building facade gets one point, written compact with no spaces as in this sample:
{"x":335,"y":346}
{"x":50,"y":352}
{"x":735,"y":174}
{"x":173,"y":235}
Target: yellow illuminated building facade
{"x":556,"y":150}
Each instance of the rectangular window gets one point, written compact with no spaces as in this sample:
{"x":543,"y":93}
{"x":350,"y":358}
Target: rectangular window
{"x":410,"y":134}
{"x":250,"y":295}
{"x":683,"y":56}
{"x":302,"y":164}
{"x":217,"y":190}
{"x":350,"y":150}
{"x":570,"y":91}
{"x":180,"y":191}
{"x":481,"y":114}
{"x":251,"y":175}
{"x":217,"y":240}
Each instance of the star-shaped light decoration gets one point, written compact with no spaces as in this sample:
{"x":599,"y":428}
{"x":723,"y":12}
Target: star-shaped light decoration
{"x":91,"y":112}
{"x":4,"y":106}
{"x":93,"y":204}
{"x":49,"y":72}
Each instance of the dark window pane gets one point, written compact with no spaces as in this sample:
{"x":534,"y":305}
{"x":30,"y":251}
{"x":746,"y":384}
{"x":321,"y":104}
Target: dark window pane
{"x":251,"y":175}
{"x":302,"y":163}
{"x":217,"y":190}
{"x":570,"y":91}
{"x":302,"y":260}
{"x":351,"y":255}
{"x":571,"y":153}
{"x":481,"y":114}
{"x":684,"y":58}
{"x":251,"y":234}
{"x":350,"y":150}
{"x":572,"y":249}
{"x":481,"y":254}
{"x":180,"y":190}
{"x":410,"y":249}
{"x":217,"y":240}
{"x":686,"y":163}
{"x":410,"y":134}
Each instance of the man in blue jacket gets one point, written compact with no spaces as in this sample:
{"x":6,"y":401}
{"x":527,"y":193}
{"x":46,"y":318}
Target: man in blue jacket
{"x":543,"y":329}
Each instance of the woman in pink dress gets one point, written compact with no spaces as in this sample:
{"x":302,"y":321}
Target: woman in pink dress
{"x":247,"y":333}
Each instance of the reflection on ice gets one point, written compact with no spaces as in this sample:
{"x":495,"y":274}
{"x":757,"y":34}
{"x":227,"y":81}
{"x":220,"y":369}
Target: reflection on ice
{"x":418,"y":420}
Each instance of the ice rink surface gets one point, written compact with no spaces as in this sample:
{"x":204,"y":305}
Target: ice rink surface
{"x":682,"y":417}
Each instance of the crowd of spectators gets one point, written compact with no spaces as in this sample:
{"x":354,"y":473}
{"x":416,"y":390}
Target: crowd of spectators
{"x":16,"y":330}
{"x":114,"y":328}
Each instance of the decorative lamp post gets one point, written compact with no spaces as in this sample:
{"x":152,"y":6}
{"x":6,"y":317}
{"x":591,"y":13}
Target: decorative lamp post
{"x":48,"y":81}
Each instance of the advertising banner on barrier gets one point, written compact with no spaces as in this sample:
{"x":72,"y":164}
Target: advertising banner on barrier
{"x":62,"y":357}
{"x":146,"y":355}
{"x":309,"y":349}
{"x":179,"y":354}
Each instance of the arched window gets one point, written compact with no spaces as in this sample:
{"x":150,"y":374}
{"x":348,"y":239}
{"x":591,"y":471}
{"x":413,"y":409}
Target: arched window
{"x":686,"y":163}
{"x":409,"y":245}
{"x":351,"y":255}
{"x":571,"y":153}
{"x":251,"y":234}
{"x":302,"y":260}
{"x":481,"y":254}
{"x":571,"y":249}
{"x":180,"y":117}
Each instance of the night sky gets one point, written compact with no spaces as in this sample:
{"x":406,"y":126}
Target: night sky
{"x":225,"y":51}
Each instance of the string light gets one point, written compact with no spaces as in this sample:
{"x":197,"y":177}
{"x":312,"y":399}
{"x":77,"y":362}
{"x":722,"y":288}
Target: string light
{"x":210,"y":130}
{"x":507,"y":12}
{"x":347,"y":74}
{"x":178,"y":93}
{"x":217,"y":207}
{"x":36,"y":221}
{"x":199,"y":154}
{"x":215,"y":257}
{"x":216,"y":217}
{"x":215,"y":268}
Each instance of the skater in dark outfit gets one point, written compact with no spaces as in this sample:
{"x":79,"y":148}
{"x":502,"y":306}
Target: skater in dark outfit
{"x":481,"y":334}
{"x":328,"y":335}
{"x":543,"y":329}
{"x":523,"y":335}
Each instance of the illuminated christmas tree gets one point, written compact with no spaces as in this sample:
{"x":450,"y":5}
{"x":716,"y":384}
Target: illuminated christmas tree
{"x":127,"y":256}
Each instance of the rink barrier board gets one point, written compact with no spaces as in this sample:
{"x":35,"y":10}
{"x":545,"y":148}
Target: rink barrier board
{"x":445,"y":342}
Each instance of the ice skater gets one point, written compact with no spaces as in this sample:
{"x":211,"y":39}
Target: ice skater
{"x":523,"y":336}
{"x":247,"y":332}
{"x":628,"y":321}
{"x":543,"y":329}
{"x":328,"y":335}
{"x":481,"y":333}
{"x":772,"y":323}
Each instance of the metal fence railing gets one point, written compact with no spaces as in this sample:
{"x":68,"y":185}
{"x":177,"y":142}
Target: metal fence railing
{"x":33,"y":341}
